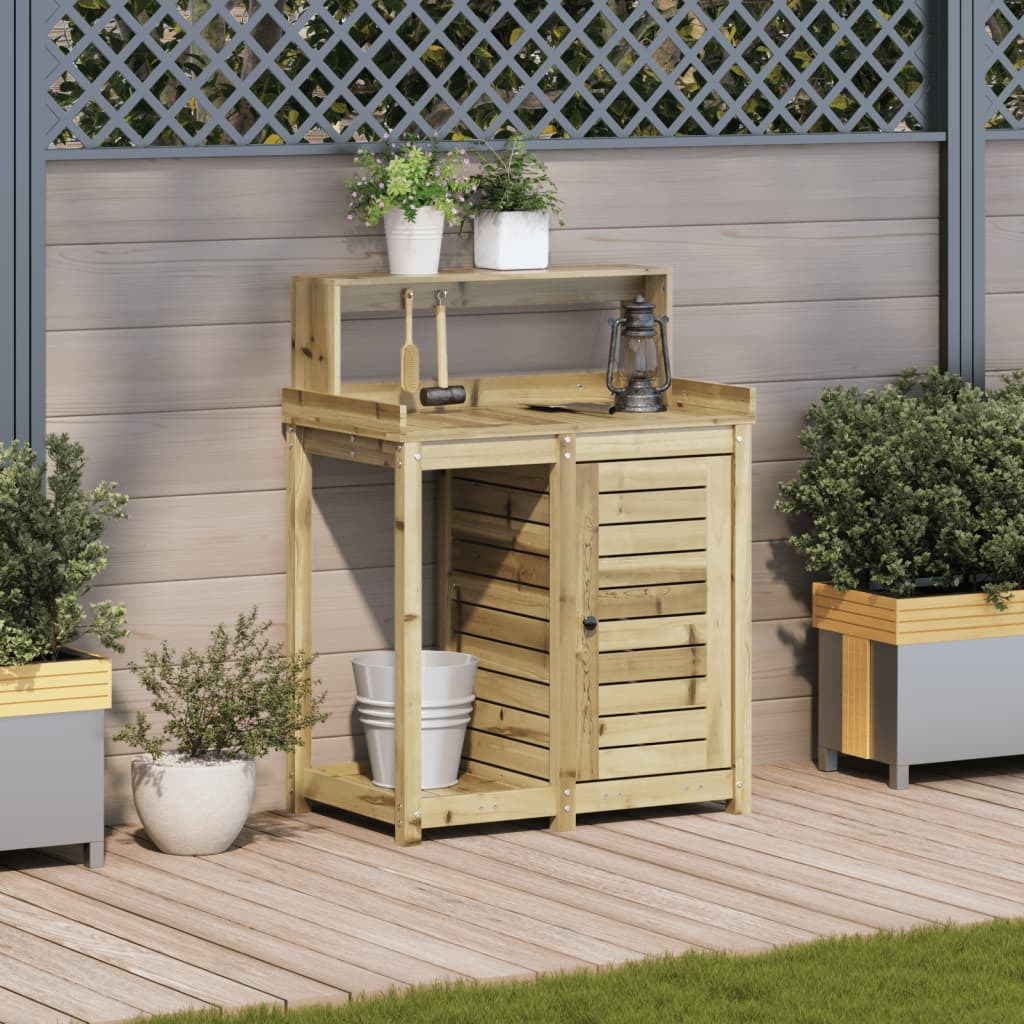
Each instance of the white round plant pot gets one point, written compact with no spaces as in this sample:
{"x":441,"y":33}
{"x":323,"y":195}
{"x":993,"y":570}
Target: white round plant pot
{"x":516,"y":240}
{"x":414,"y":247}
{"x":193,"y":806}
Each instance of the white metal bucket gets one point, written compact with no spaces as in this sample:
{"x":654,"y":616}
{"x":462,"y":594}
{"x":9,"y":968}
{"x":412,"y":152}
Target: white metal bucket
{"x":414,"y":247}
{"x":447,"y":708}
{"x":447,"y":675}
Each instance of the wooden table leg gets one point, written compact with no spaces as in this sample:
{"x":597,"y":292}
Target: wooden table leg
{"x":299,"y":625}
{"x":408,"y":644}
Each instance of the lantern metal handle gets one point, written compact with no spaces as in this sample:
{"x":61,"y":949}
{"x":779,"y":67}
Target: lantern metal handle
{"x":613,"y":355}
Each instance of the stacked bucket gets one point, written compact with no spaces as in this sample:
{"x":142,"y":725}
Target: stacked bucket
{"x":448,"y":678}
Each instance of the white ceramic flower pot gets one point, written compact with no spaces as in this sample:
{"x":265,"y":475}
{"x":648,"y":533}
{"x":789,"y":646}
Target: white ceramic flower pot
{"x":414,"y":247}
{"x":192,"y":806}
{"x":511,"y":241}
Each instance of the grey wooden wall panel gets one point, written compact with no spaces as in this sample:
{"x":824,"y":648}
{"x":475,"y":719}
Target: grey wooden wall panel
{"x":792,"y":341}
{"x":231,"y":366}
{"x":1004,"y":258}
{"x":177,"y":283}
{"x":795,"y":268}
{"x":353,"y":609}
{"x":303,"y":197}
{"x":204,"y":536}
{"x":769,"y":524}
{"x":1004,"y":337}
{"x":785,"y":659}
{"x":1004,"y":178}
{"x":783,"y":730}
{"x":1004,"y":254}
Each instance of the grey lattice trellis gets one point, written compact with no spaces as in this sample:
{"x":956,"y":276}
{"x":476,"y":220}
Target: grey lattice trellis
{"x":190,"y":73}
{"x":1003,"y":43}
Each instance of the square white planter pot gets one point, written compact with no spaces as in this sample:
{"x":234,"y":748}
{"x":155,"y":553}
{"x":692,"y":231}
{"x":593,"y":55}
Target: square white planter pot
{"x":511,"y":241}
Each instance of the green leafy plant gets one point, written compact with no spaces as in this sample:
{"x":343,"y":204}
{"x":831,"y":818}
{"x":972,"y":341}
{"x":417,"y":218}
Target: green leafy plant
{"x":514,"y":179}
{"x":406,"y":177}
{"x":242,"y":696}
{"x":50,"y":552}
{"x":920,"y":484}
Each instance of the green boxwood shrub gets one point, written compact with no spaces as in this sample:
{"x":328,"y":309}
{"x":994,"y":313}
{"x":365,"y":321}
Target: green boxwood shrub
{"x":50,"y":552}
{"x":917,"y":485}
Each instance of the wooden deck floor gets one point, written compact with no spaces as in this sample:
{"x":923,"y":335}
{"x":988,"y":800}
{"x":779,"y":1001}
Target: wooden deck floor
{"x":314,"y":908}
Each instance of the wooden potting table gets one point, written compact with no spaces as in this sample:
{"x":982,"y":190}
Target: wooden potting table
{"x":598,"y":565}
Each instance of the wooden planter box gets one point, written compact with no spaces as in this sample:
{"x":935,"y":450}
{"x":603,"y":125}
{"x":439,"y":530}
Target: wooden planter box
{"x":917,"y":680}
{"x":51,"y":754}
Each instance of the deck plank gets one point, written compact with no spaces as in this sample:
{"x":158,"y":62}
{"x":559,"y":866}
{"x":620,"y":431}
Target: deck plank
{"x":309,"y":921}
{"x":578,"y":932}
{"x":316,"y":907}
{"x":703,"y":860}
{"x":953,"y":812}
{"x":76,"y":968}
{"x":59,"y":888}
{"x":357,"y":885}
{"x":68,"y":997}
{"x":16,"y":1007}
{"x":990,"y":860}
{"x":104,"y":945}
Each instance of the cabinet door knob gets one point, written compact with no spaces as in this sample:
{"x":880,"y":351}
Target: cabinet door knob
{"x":590,"y":622}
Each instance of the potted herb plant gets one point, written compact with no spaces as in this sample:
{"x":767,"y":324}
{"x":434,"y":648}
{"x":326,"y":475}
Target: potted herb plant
{"x":414,"y":189}
{"x":52,"y":696}
{"x":514,"y":195}
{"x":225,"y":707}
{"x":913,"y":509}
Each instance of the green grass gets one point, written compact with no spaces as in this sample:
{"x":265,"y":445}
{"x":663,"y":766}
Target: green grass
{"x":935,"y":975}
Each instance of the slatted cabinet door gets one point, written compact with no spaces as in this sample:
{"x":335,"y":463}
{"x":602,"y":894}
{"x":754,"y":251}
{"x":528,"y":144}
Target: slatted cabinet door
{"x":656,"y":568}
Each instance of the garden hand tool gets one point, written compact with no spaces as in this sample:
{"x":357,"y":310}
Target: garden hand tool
{"x":442,"y":394}
{"x":409,"y":374}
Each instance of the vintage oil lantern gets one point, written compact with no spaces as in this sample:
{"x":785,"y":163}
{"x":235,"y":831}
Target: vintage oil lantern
{"x":639,"y":369}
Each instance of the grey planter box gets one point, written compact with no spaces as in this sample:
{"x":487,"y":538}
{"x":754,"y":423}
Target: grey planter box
{"x":893,"y":688}
{"x":947,"y":701}
{"x":52,"y":789}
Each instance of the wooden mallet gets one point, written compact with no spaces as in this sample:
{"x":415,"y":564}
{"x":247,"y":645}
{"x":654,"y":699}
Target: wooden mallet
{"x":442,"y":394}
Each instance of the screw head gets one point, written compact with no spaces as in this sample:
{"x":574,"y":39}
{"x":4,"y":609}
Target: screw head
{"x":417,"y":456}
{"x":566,"y":808}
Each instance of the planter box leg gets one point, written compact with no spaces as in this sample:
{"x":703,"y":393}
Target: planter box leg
{"x":92,"y":854}
{"x":899,"y":776}
{"x":828,"y":759}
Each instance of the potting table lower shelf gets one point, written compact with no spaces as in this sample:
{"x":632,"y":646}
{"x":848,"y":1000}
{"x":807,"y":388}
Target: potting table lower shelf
{"x":476,"y":799}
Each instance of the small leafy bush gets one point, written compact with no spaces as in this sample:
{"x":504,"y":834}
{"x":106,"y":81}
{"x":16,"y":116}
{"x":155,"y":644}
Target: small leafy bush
{"x":920,"y":484}
{"x":243,"y":695}
{"x":407,"y":176}
{"x":515,"y":179}
{"x":50,"y":552}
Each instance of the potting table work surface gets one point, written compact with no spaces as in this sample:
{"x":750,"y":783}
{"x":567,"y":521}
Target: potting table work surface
{"x":512,"y":407}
